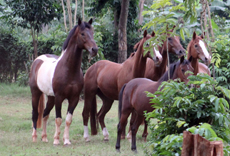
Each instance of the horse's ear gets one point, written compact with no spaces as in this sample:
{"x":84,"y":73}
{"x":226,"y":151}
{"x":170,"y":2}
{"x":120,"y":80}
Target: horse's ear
{"x":173,"y":27}
{"x":190,"y":59}
{"x":90,"y":21}
{"x":145,"y":33}
{"x":79,"y":21}
{"x":202,"y":35}
{"x":194,"y":35}
{"x":153,"y":34}
{"x":181,"y":59}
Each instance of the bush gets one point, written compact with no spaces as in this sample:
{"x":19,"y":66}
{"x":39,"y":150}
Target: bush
{"x":179,"y":107}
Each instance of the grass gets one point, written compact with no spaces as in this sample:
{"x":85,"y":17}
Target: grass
{"x":16,"y":129}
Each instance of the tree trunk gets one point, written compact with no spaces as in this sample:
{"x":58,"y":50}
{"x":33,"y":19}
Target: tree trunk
{"x":83,"y":10}
{"x":75,"y":13}
{"x":115,"y":20}
{"x":34,"y":43}
{"x":141,"y":7}
{"x":122,"y":34}
{"x":70,"y":14}
{"x":63,"y":7}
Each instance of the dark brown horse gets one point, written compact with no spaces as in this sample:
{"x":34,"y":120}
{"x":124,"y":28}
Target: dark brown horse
{"x":60,"y":78}
{"x":197,"y":49}
{"x":105,"y":79}
{"x":133,"y":99}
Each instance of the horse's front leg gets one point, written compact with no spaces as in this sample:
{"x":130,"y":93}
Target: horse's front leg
{"x":72,"y":105}
{"x":58,"y":120}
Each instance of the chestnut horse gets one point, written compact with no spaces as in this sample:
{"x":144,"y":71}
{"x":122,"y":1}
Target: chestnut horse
{"x":154,"y":71}
{"x":105,"y":79}
{"x":60,"y":78}
{"x":133,"y":99}
{"x":197,"y":49}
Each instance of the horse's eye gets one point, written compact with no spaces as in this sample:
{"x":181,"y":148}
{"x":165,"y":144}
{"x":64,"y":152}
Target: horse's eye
{"x":169,"y":38}
{"x":196,"y":45}
{"x":82,"y":34}
{"x":182,"y":70}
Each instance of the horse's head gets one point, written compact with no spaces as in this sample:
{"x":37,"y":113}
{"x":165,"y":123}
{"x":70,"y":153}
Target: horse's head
{"x":197,"y":49}
{"x":174,"y":45}
{"x":182,"y":68}
{"x":84,"y":37}
{"x":157,"y":58}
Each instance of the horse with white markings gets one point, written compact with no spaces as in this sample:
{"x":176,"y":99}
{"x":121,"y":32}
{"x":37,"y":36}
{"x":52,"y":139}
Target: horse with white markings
{"x":60,"y":78}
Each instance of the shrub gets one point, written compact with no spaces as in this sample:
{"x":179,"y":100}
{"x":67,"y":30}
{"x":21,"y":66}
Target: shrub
{"x":198,"y":110}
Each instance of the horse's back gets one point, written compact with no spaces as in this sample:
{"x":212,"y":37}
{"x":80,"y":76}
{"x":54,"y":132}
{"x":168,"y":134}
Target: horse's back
{"x":44,"y":73}
{"x":136,"y":95}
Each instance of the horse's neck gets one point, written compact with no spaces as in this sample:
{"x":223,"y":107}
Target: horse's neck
{"x":162,"y":68}
{"x":139,"y":65}
{"x":194,"y":63}
{"x":72,"y":58}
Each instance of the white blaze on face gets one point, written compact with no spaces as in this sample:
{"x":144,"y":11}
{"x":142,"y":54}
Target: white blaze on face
{"x":46,"y":73}
{"x":158,"y":54}
{"x":202,"y":45}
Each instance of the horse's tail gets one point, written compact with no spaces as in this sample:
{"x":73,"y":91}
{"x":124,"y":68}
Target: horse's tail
{"x":41,"y":106}
{"x":120,"y":101}
{"x":93,"y":117}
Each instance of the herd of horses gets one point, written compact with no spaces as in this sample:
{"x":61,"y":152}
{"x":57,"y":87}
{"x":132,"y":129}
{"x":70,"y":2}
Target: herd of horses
{"x":61,"y":78}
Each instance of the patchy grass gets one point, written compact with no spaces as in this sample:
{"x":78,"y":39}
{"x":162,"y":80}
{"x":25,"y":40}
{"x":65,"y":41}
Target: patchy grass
{"x":16,"y":129}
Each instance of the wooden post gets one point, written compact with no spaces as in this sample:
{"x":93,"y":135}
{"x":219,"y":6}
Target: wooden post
{"x":195,"y":145}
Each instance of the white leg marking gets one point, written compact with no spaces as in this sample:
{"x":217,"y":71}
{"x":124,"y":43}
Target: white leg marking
{"x":86,"y":133}
{"x":202,"y":45}
{"x":129,"y":136}
{"x":106,"y":134}
{"x":34,"y":135}
{"x":57,"y":131}
{"x":44,"y":134}
{"x":66,"y":132}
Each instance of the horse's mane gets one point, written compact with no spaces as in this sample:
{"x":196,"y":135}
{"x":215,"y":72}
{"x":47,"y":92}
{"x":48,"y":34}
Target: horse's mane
{"x":137,"y":45}
{"x":71,"y":33}
{"x":172,"y":68}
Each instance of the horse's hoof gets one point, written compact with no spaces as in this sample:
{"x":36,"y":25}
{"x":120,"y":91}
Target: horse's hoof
{"x":44,"y":140}
{"x":106,"y":138}
{"x":134,"y":150}
{"x":118,"y":150}
{"x":67,"y":142}
{"x":34,"y":139}
{"x":87,"y":139}
{"x":56,"y":142}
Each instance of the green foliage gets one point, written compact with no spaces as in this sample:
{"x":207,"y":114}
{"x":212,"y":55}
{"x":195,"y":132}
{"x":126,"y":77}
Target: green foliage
{"x":202,"y":110}
{"x":33,"y":13}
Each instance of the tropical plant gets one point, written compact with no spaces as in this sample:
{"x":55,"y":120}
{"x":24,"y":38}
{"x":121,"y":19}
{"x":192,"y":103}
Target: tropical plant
{"x":179,"y":107}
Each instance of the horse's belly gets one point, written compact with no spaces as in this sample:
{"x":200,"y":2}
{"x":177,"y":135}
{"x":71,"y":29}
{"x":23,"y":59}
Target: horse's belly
{"x":45,"y":77}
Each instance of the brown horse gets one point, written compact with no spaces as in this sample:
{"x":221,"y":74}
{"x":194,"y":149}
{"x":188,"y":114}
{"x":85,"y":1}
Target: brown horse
{"x":132,"y":97}
{"x":105,"y":79}
{"x":60,"y":78}
{"x":154,"y":71}
{"x":197,"y":49}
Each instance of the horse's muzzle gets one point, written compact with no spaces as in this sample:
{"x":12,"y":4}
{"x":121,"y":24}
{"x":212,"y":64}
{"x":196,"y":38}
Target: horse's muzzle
{"x":93,"y":52}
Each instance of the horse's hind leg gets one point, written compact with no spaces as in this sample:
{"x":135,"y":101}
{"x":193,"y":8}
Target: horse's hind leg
{"x":36,"y":93}
{"x":49,"y":107}
{"x":72,"y":105}
{"x":145,"y":132}
{"x":134,"y":129}
{"x":58,"y":120}
{"x":107,"y":103}
{"x":121,"y":126}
